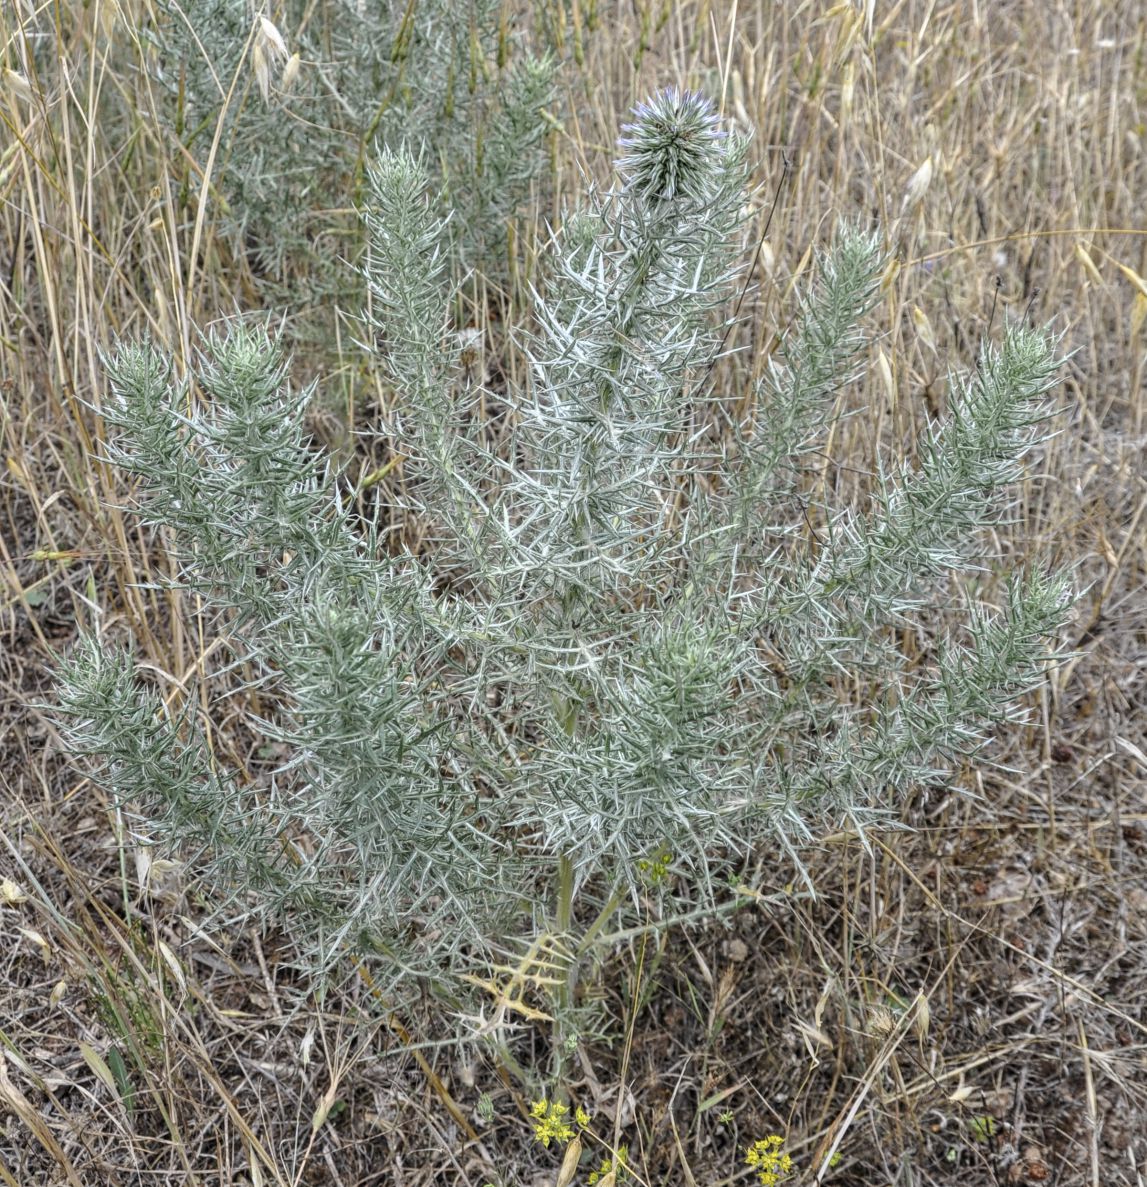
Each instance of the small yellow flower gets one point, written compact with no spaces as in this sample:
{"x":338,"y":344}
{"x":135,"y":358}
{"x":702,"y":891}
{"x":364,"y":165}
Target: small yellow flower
{"x":552,"y":1125}
{"x":656,"y":869}
{"x":610,"y":1166}
{"x":766,"y":1159}
{"x":581,"y":1117}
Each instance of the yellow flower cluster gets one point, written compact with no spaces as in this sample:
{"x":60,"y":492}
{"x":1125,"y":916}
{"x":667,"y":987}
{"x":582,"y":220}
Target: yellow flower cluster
{"x":609,"y":1167}
{"x":766,"y":1159}
{"x":656,"y":869}
{"x":551,"y":1124}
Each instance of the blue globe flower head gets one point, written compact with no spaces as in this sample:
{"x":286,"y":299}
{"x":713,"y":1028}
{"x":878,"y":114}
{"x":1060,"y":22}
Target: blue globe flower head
{"x":674,"y":148}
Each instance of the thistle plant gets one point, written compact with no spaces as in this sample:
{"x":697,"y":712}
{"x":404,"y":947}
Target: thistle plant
{"x":298,"y":101}
{"x":631,"y":653}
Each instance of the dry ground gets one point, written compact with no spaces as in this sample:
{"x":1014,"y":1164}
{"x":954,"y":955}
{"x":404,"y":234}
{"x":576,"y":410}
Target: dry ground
{"x":134,"y":1049}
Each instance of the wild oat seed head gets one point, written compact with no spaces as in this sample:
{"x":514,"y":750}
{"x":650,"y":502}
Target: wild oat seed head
{"x":881,"y":1021}
{"x":673,"y":147}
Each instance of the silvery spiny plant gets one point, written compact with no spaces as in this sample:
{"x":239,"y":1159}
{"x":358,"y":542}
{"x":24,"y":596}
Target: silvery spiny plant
{"x":317,"y":86}
{"x":625,"y":658}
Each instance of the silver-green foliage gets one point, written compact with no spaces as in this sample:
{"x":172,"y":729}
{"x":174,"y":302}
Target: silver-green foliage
{"x":439,"y":74}
{"x":626,"y":637}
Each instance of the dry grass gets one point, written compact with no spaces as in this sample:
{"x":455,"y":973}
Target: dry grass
{"x":134,"y":1049}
